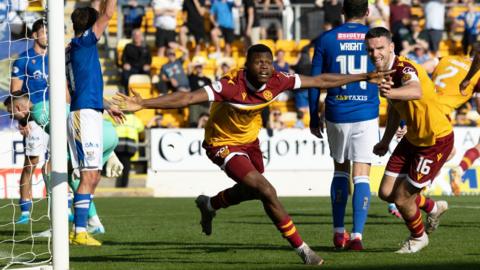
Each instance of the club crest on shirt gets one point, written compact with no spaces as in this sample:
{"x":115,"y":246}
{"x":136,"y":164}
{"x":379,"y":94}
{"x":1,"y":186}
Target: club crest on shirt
{"x":34,"y":61}
{"x":217,"y":86}
{"x":408,"y":70}
{"x":244,"y":95}
{"x":419,"y":176}
{"x":267,"y":94}
{"x":439,"y":156}
{"x":223,"y":152}
{"x":406,"y":77}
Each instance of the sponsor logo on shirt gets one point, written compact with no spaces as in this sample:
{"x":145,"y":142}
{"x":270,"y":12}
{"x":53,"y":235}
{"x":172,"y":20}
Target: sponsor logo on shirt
{"x":351,"y":97}
{"x":350,"y":36}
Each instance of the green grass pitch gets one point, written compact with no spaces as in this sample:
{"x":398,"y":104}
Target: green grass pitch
{"x":149,"y":233}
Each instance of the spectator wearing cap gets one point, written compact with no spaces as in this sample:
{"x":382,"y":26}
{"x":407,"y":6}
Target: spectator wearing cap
{"x":198,"y":80}
{"x":136,"y":58}
{"x":224,"y":64}
{"x":172,"y":73}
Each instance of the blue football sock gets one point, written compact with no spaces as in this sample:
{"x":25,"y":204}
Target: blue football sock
{"x":81,"y":203}
{"x":361,"y":202}
{"x":339,"y":198}
{"x":25,"y":206}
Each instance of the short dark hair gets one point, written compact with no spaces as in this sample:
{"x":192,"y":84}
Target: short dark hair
{"x":38,"y":24}
{"x":378,"y":32}
{"x":15,"y":95}
{"x":355,"y":8}
{"x":83,"y":18}
{"x":258,"y":48}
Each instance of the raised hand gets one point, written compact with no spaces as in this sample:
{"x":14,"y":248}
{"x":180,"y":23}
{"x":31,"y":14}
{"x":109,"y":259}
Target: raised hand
{"x":385,"y":87}
{"x":128,"y":104}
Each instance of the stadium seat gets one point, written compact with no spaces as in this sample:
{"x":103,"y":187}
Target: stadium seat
{"x":35,"y":6}
{"x":302,"y":43}
{"x":120,"y":46}
{"x":112,"y":24}
{"x":287,"y":46}
{"x":142,"y":85}
{"x":269,"y":43}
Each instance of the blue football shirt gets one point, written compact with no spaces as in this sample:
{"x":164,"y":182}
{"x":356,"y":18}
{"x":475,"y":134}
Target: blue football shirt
{"x":85,"y":78}
{"x":342,"y":50}
{"x":32,"y":69}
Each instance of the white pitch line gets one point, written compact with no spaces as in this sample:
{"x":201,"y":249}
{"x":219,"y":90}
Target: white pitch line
{"x":462,"y":206}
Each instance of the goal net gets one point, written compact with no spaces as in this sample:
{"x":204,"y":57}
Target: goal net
{"x":25,"y":174}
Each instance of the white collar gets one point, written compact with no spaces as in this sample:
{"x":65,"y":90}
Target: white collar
{"x":393,"y":61}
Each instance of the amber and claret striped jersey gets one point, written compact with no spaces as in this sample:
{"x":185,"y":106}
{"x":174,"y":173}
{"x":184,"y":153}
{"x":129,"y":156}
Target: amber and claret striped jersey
{"x":447,"y":77}
{"x":235,"y":115}
{"x":424,"y":117}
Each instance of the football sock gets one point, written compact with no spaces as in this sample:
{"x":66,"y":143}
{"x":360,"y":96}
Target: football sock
{"x":223,"y":199}
{"x":74,"y":183}
{"x":81,"y":203}
{"x":339,"y":197}
{"x":361,"y":203}
{"x":415,"y":224}
{"x":25,"y":206}
{"x":289,"y":231}
{"x":424,"y":203}
{"x":469,"y":158}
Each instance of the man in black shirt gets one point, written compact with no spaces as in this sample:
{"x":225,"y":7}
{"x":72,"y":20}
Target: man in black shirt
{"x":136,"y":58}
{"x":252,"y":23}
{"x":194,"y":25}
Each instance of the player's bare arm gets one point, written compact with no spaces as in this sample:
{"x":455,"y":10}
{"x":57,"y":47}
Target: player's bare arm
{"x":411,"y":90}
{"x":105,"y":15}
{"x":473,"y":69}
{"x":329,"y":80}
{"x":393,"y":122}
{"x":15,"y":85}
{"x":169,"y":101}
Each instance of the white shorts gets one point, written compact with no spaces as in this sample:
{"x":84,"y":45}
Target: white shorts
{"x":36,"y":142}
{"x":85,"y":139}
{"x":353,"y":141}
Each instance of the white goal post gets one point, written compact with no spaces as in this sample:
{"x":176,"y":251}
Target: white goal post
{"x":58,"y":133}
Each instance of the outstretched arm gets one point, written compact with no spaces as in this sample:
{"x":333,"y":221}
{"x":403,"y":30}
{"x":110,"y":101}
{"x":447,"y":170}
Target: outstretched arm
{"x":330,"y":80}
{"x":106,"y":13}
{"x":169,"y":101}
